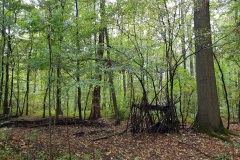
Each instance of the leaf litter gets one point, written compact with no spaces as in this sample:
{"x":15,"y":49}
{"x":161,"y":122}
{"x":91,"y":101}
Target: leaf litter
{"x":103,"y":142}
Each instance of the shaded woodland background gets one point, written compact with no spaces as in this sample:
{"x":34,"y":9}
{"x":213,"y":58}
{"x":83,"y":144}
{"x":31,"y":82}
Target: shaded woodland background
{"x":77,"y":75}
{"x":91,"y":58}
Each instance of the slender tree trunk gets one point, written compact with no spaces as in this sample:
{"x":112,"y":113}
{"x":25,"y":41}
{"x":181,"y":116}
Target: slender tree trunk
{"x":2,"y":79}
{"x":182,"y":91}
{"x":95,"y":112}
{"x":208,"y":118}
{"x":5,"y":101}
{"x":86,"y":102}
{"x":11,"y":89}
{"x":3,"y":31}
{"x":104,"y":91}
{"x":28,"y":76}
{"x":27,"y":90}
{"x":58,"y":92}
{"x":79,"y":94}
{"x":112,"y":89}
{"x":6,"y":109}
{"x":50,"y":65}
{"x":124,"y":85}
{"x":44,"y":102}
{"x":183,"y":33}
{"x":191,"y":64}
{"x":238,"y":102}
{"x":18,"y":87}
{"x":132,"y":90}
{"x":79,"y":97}
{"x":35,"y":81}
{"x":224,"y":90}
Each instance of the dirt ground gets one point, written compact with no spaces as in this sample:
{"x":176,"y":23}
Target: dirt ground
{"x":102,"y":140}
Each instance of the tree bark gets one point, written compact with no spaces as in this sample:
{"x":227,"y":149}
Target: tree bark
{"x":95,"y":111}
{"x":112,"y":89}
{"x":28,"y":76}
{"x":59,"y":65}
{"x":3,"y":31}
{"x":6,"y":109}
{"x":238,"y":71}
{"x":50,"y":70}
{"x":208,"y":118}
{"x":183,"y":34}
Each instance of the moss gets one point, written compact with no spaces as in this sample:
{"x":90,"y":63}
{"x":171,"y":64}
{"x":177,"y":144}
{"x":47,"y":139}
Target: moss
{"x":232,"y":133}
{"x":220,"y":134}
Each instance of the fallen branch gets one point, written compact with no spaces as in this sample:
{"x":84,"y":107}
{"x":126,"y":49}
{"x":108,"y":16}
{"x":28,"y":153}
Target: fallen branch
{"x":45,"y":123}
{"x":106,"y":137}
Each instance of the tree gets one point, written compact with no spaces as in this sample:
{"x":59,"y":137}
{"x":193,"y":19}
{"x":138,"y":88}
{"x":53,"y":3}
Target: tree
{"x":3,"y":46}
{"x":112,"y":89}
{"x":237,"y":22}
{"x":95,"y":112}
{"x":79,"y":94}
{"x":208,"y":118}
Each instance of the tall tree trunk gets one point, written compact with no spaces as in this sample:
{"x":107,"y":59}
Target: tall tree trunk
{"x":237,"y":22}
{"x":5,"y":101}
{"x":208,"y":118}
{"x":3,"y":31}
{"x":124,"y":85}
{"x":2,"y":79}
{"x":59,"y":66}
{"x":79,"y":95}
{"x":18,"y":87}
{"x":191,"y":63}
{"x":11,"y":89}
{"x":6,"y":109}
{"x":112,"y":89}
{"x":182,"y":10}
{"x":132,"y":90}
{"x":44,"y":102}
{"x":238,"y":102}
{"x":50,"y":70}
{"x":95,"y":111}
{"x":183,"y":92}
{"x":28,"y":76}
{"x":58,"y":91}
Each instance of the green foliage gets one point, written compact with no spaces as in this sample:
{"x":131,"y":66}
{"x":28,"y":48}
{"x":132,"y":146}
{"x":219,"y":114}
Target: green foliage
{"x":86,"y":157}
{"x":222,"y":156}
{"x":123,"y":113}
{"x":141,"y":35}
{"x":6,"y":150}
{"x":2,"y":136}
{"x":98,"y":155}
{"x":32,"y":137}
{"x":67,"y":157}
{"x":238,"y":146}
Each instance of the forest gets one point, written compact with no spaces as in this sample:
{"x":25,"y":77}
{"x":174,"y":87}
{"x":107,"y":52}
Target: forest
{"x":119,"y":79}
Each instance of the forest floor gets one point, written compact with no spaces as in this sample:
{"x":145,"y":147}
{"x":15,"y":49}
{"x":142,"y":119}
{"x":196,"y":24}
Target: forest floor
{"x":103,"y":141}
